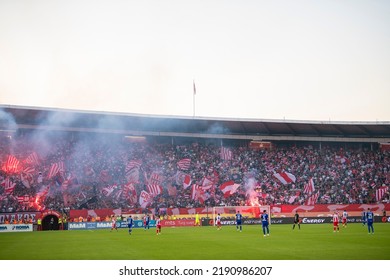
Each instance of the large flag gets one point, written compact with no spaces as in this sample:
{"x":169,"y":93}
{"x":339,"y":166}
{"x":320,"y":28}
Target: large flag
{"x":145,"y":199}
{"x":32,"y":159}
{"x":129,"y":193}
{"x":107,"y":191}
{"x":11,"y":165}
{"x":226,"y":153}
{"x":228,"y":188}
{"x":56,"y":168}
{"x":155,"y":178}
{"x":312,"y":199}
{"x":285,"y":177}
{"x":133,"y":164}
{"x":198,"y":193}
{"x":8,"y":185}
{"x":183,"y":179}
{"x":309,"y":187}
{"x":154,"y":190}
{"x":184,"y":164}
{"x":379,"y":193}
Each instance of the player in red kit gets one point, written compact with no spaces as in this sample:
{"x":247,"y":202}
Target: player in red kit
{"x":158,"y":226}
{"x":336,"y":222}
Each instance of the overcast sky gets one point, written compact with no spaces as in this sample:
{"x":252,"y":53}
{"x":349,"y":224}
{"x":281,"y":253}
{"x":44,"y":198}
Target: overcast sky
{"x":296,"y":60}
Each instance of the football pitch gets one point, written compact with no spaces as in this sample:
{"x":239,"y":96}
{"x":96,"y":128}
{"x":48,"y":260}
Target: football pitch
{"x":312,"y":242}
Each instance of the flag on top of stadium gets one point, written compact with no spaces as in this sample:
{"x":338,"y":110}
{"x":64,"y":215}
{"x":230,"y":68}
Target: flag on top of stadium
{"x":379,"y":193}
{"x":309,"y":187}
{"x":228,"y":188}
{"x":184,"y":164}
{"x":226,"y":154}
{"x":285,"y":177}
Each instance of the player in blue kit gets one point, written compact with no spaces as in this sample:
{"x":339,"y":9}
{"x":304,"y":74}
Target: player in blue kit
{"x":130,"y":224}
{"x":265,"y":222}
{"x":370,"y":221}
{"x":364,"y":217}
{"x":239,"y":221}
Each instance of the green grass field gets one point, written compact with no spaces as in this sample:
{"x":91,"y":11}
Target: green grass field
{"x":312,"y":242}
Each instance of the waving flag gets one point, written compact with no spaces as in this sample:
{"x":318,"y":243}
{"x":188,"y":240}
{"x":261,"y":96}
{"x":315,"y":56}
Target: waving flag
{"x":145,"y":199}
{"x":312,"y":199}
{"x":32,"y":159}
{"x":107,"y":191}
{"x":228,"y":188}
{"x":129,"y":192}
{"x":133,"y":164}
{"x":285,"y":177}
{"x":309,"y":187}
{"x":11,"y":165}
{"x":154,"y":190}
{"x":379,"y":193}
{"x":8,"y":185}
{"x":198,"y":193}
{"x":184,"y":164}
{"x":183,"y":179}
{"x":55,"y":169}
{"x":226,"y":154}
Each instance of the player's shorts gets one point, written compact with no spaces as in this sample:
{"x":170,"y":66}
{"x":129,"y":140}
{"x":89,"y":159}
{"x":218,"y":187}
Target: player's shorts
{"x":344,"y":221}
{"x":238,"y":223}
{"x":218,"y":223}
{"x":158,"y":227}
{"x":335,"y":224}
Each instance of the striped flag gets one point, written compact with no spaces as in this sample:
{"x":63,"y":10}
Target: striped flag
{"x":285,"y":177}
{"x":184,"y":164}
{"x":228,"y":188}
{"x":32,"y":159}
{"x":379,"y":193}
{"x":133,"y":164}
{"x":11,"y":165}
{"x":55,"y":169}
{"x":312,"y":199}
{"x":129,"y":193}
{"x":226,"y":154}
{"x":309,"y":187}
{"x":8,"y":185}
{"x":154,"y":190}
{"x":198,"y":193}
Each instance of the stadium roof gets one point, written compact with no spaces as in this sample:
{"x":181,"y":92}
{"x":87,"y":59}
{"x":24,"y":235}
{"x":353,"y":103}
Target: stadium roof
{"x":19,"y":117}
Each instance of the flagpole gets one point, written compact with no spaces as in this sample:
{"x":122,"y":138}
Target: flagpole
{"x":193,"y":98}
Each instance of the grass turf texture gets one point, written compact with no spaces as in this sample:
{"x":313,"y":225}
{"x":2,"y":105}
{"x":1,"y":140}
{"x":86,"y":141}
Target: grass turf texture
{"x":312,"y":242}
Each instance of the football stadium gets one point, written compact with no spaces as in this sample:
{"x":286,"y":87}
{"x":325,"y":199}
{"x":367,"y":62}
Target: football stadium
{"x":72,"y":181}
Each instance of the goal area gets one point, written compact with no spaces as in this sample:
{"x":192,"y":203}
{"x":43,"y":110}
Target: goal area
{"x":251,"y":212}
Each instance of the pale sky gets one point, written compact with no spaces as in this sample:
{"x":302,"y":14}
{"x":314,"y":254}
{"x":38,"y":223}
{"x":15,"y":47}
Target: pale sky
{"x":295,"y":60}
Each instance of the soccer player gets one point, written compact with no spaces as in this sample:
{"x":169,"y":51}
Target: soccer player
{"x":146,"y":221}
{"x":265,"y":223}
{"x":197,"y":220}
{"x":113,"y":223}
{"x":218,"y":222}
{"x":364,"y":217}
{"x":130,"y":224}
{"x":336,"y":222}
{"x":344,"y":218}
{"x":239,"y":221}
{"x":296,"y":220}
{"x":158,"y":225}
{"x":370,"y":221}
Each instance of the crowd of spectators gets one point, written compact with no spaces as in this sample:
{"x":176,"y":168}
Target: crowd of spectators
{"x":95,"y":172}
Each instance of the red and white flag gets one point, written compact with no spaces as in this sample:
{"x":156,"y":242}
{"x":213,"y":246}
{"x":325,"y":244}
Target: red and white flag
{"x":285,"y":177}
{"x":129,"y":193}
{"x":154,"y":190}
{"x":312,"y":199}
{"x":133,"y":164}
{"x":309,"y":187}
{"x":198,"y":193}
{"x":107,"y":191}
{"x":379,"y":193}
{"x":32,"y":159}
{"x":55,"y":169}
{"x":8,"y":185}
{"x":11,"y":165}
{"x":183,"y":179}
{"x":184,"y":164}
{"x":226,"y":154}
{"x":228,"y":188}
{"x":145,"y":199}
